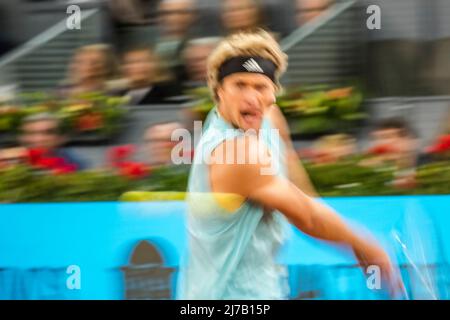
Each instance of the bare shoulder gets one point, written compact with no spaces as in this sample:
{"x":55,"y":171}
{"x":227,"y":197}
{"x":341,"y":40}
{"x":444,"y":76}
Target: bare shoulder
{"x":236,"y":165}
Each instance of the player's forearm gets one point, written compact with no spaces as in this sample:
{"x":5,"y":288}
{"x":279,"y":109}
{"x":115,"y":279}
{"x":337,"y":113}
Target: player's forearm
{"x":306,"y":213}
{"x":325,"y":224}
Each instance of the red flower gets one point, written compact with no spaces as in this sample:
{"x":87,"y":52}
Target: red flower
{"x":133,"y":170}
{"x":381,"y":149}
{"x":35,"y":155}
{"x":120,"y":154}
{"x":66,"y":168}
{"x":89,"y":121}
{"x":50,"y":163}
{"x":442,"y":145}
{"x":41,"y":159}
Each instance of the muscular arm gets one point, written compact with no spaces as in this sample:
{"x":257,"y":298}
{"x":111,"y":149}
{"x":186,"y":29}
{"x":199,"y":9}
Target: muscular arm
{"x":306,"y":213}
{"x":297,"y":173}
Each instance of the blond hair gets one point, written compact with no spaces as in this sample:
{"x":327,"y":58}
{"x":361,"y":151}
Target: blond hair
{"x":257,"y":43}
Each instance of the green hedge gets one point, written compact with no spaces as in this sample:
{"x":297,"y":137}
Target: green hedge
{"x":346,"y":178}
{"x":93,"y":114}
{"x":22,"y":184}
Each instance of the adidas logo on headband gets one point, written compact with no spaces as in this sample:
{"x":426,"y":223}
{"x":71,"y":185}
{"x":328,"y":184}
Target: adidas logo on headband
{"x":252,"y":66}
{"x":248,"y":64}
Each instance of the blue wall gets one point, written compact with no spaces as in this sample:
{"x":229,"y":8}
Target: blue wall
{"x":39,"y":241}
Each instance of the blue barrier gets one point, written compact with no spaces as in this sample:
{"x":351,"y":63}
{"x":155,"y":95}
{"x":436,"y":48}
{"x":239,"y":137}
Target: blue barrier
{"x":38,"y":242}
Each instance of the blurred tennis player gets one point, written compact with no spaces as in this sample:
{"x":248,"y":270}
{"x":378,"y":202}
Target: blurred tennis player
{"x":237,"y":202}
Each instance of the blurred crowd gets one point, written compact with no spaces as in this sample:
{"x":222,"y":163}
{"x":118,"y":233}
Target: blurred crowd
{"x":160,"y":70}
{"x":41,"y":145}
{"x":392,"y":142}
{"x":157,"y":71}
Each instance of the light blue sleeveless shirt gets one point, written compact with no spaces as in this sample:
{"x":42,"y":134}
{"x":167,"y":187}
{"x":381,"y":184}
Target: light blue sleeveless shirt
{"x":231,"y":255}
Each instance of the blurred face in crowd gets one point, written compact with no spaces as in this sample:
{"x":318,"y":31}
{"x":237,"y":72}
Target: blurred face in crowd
{"x":400,"y":143}
{"x":387,"y":136}
{"x":310,"y":9}
{"x":240,"y":14}
{"x":89,"y":65}
{"x":244,"y":98}
{"x":334,"y":147}
{"x":176,"y":16}
{"x":139,"y":67}
{"x":196,"y":57}
{"x":41,"y":134}
{"x":158,"y":142}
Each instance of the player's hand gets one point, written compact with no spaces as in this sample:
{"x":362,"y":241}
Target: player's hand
{"x":369,"y":253}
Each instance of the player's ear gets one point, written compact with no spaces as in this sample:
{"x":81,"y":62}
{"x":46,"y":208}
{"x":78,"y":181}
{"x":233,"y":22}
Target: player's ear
{"x":276,"y":91}
{"x":273,"y":99}
{"x":219,"y":92}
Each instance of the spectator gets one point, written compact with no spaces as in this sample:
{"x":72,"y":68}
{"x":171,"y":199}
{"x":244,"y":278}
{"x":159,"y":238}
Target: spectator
{"x":130,"y":22}
{"x":242,"y":15}
{"x":394,"y":142}
{"x":195,"y":57}
{"x":333,"y":148}
{"x":131,"y":12}
{"x":147,"y":80}
{"x":176,"y":18}
{"x":42,"y":135}
{"x":91,"y":70}
{"x":308,"y":10}
{"x":158,"y":143}
{"x":440,"y":148}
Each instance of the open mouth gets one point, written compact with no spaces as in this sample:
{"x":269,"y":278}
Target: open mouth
{"x":251,"y":117}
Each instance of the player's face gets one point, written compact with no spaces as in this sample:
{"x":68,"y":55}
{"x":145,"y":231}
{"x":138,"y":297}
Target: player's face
{"x":244,"y":98}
